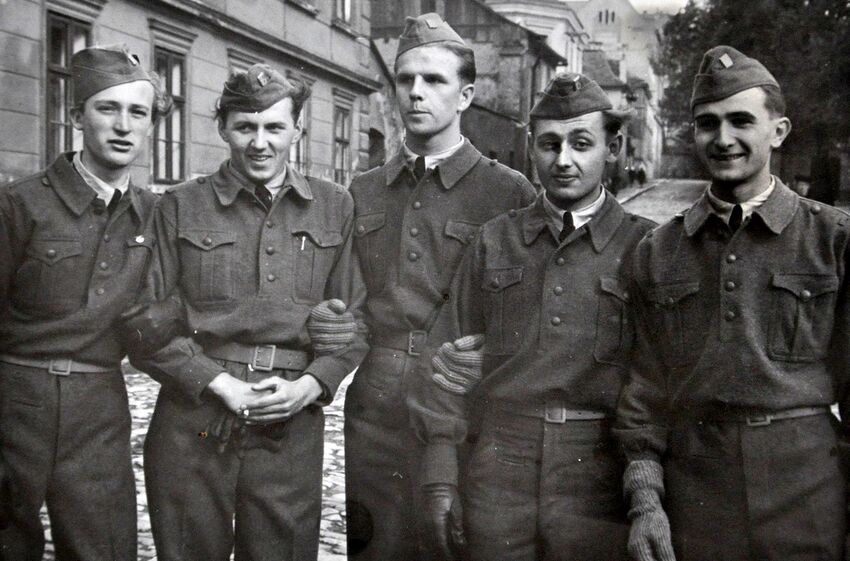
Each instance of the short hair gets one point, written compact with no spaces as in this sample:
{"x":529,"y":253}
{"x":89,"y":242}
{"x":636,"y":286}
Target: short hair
{"x":466,"y":57}
{"x":611,"y":122}
{"x":162,"y":102}
{"x":295,"y":89}
{"x":774,"y":101}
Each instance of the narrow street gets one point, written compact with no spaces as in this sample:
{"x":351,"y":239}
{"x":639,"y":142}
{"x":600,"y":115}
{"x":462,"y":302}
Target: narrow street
{"x":658,"y":200}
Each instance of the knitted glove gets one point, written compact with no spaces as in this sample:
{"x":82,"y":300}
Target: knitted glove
{"x":445,"y":519}
{"x":649,"y":538}
{"x":331,"y":327}
{"x":457,"y":366}
{"x":146,"y":328}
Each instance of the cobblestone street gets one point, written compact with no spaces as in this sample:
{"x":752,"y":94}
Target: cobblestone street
{"x":658,"y":200}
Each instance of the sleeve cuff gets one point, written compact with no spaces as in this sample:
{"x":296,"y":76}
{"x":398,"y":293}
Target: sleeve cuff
{"x":328,"y":371}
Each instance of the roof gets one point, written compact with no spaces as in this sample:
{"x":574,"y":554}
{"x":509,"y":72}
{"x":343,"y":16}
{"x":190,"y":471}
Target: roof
{"x":595,"y":66}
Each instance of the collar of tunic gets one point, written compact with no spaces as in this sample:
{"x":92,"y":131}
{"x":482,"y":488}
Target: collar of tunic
{"x":227,"y":184}
{"x":73,"y":189}
{"x":601,"y":226}
{"x":450,"y":170}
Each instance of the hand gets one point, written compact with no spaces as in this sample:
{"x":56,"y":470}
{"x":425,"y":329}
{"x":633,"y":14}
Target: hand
{"x":457,"y":365}
{"x":225,"y":426}
{"x":331,"y":327}
{"x":283,"y":399}
{"x":649,"y":537}
{"x":445,"y":519}
{"x":234,"y":393}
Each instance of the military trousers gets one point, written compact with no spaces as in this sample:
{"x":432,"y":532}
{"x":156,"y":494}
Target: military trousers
{"x":259,"y":498}
{"x":65,"y":441}
{"x":736,"y":492}
{"x":383,"y":516}
{"x":537,"y":490}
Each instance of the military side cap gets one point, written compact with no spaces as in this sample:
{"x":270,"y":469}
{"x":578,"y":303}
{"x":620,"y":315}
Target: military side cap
{"x":569,"y":95}
{"x":96,"y":68}
{"x":725,"y":71}
{"x":257,"y":89}
{"x":425,"y":29}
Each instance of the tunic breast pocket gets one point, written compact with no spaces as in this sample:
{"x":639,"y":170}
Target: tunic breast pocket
{"x":614,"y":335}
{"x":52,"y":279}
{"x":315,"y":253}
{"x":802,"y":318}
{"x":507,"y":307}
{"x":372,"y":246}
{"x":667,"y":314}
{"x":206,"y":265}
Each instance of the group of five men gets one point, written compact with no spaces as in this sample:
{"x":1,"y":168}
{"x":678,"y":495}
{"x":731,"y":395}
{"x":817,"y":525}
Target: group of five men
{"x":541,"y":376}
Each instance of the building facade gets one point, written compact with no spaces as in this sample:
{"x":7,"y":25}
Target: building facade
{"x":194,"y":45}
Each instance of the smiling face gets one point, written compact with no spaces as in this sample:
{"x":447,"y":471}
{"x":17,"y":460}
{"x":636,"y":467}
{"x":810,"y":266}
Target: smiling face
{"x":115,"y":123}
{"x":570,"y":157}
{"x":734,"y":138}
{"x":259,"y":142}
{"x":431,"y":97}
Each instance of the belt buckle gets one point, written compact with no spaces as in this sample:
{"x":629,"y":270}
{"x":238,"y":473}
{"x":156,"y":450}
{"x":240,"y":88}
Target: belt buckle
{"x":759,"y":420}
{"x":60,"y":367}
{"x":412,"y":349}
{"x":257,"y":362}
{"x":555,"y":413}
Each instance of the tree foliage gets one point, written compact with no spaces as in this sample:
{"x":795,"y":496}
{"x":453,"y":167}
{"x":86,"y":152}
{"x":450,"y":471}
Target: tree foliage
{"x":804,"y":43}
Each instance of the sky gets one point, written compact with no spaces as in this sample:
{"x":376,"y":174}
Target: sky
{"x":669,"y":6}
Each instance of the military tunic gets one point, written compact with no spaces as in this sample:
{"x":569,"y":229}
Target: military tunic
{"x":541,"y":483}
{"x":248,"y":276}
{"x":734,"y":327}
{"x":68,"y":269}
{"x":409,"y":237}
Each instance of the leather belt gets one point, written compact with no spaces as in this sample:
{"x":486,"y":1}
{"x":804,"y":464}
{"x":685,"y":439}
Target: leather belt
{"x":553,"y":411}
{"x":58,"y":366}
{"x":413,"y":343}
{"x":262,"y":358}
{"x":762,"y":419}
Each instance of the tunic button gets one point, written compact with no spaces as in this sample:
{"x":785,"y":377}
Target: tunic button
{"x":414,"y":232}
{"x":413,"y":256}
{"x":806,"y":294}
{"x":106,"y":237}
{"x":417,"y":205}
{"x":730,"y":315}
{"x":670,"y":300}
{"x":271,"y":278}
{"x":560,"y":261}
{"x":269,"y":224}
{"x":494,"y":283}
{"x":625,"y":297}
{"x":202,"y":180}
{"x":361,"y":229}
{"x":270,"y":250}
{"x":50,"y":253}
{"x":206,"y":241}
{"x":731,"y":258}
{"x":558,"y":290}
{"x":99,"y":291}
{"x":512,"y":212}
{"x":103,"y":265}
{"x":45,"y":182}
{"x":815,"y":209}
{"x":730,"y":286}
{"x":556,"y":320}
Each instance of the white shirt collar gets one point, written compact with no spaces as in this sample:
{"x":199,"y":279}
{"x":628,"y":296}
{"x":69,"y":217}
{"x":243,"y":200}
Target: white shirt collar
{"x":432,"y":160}
{"x":580,"y":217}
{"x":103,"y":189}
{"x":724,"y":208}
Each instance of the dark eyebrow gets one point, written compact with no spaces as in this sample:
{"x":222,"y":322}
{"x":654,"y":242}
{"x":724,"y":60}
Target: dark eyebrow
{"x":581,"y":131}
{"x":741,"y":115}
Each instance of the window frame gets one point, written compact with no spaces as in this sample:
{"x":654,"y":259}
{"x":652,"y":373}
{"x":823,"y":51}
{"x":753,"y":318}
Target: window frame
{"x":180,"y":105}
{"x":342,"y":144}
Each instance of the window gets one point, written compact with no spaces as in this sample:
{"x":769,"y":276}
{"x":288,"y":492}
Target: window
{"x":169,"y":147}
{"x":299,"y":152}
{"x":342,"y":10}
{"x":341,"y":148}
{"x":65,"y":36}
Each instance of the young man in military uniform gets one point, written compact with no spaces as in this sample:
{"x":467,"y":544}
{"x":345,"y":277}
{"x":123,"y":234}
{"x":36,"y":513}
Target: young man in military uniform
{"x":540,"y":319}
{"x":74,"y":244}
{"x":414,"y":217}
{"x":260,"y":257}
{"x":743,"y":326}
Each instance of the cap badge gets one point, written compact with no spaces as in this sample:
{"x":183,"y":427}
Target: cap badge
{"x":134,"y":60}
{"x":726,"y":60}
{"x":431,"y":21}
{"x":263,"y":79}
{"x":140,"y":239}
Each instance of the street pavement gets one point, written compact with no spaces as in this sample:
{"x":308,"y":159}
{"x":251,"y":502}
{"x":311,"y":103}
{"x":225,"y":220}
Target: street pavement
{"x":658,"y":200}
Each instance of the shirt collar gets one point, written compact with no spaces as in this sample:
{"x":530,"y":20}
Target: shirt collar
{"x":723,"y":209}
{"x":451,"y":169}
{"x":580,"y":217}
{"x":431,"y":160}
{"x":227,"y":183}
{"x":776,"y":211}
{"x":74,"y":191}
{"x":601,"y":226}
{"x":102,"y":189}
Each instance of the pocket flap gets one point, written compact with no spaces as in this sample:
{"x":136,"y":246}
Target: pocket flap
{"x":499,"y":279}
{"x":614,"y":286}
{"x":369,"y":223}
{"x":464,"y":232}
{"x":806,"y":286}
{"x":321,"y":238}
{"x":51,"y":251}
{"x":139,"y":241}
{"x":207,"y":239}
{"x":669,"y":294}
